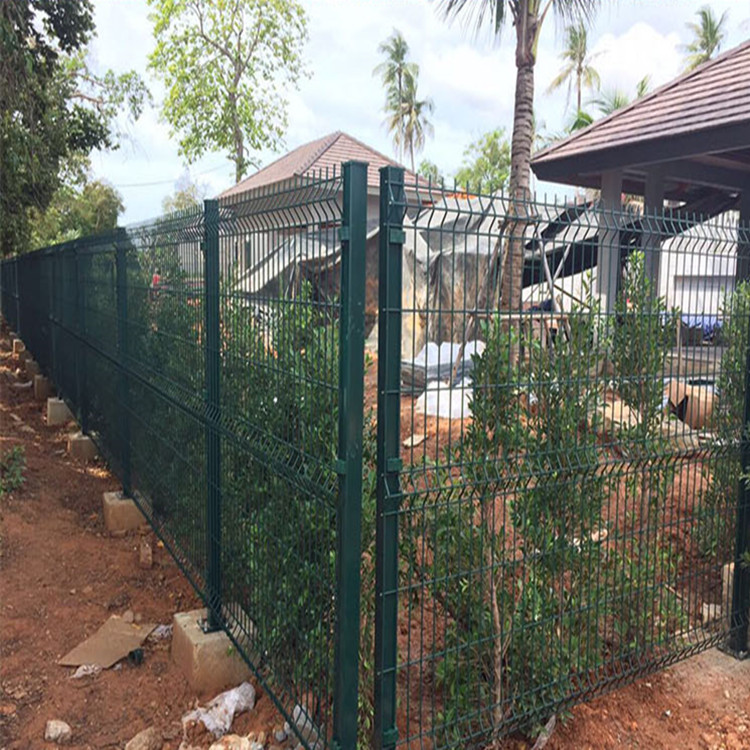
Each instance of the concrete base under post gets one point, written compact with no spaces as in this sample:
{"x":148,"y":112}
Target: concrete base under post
{"x":18,"y":347}
{"x":31,"y":367}
{"x":57,"y":412}
{"x":727,"y":584}
{"x":42,"y":388}
{"x":121,"y":514}
{"x":209,"y":661}
{"x":81,"y":446}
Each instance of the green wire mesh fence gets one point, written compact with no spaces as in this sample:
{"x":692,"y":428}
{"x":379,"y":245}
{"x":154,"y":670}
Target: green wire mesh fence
{"x":203,"y":352}
{"x":562,"y":395}
{"x":541,"y":498}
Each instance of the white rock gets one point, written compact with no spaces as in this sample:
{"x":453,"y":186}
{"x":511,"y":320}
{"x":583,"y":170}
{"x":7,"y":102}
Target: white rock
{"x":57,"y":731}
{"x":305,"y":725}
{"x":148,"y":739}
{"x":232,"y":742}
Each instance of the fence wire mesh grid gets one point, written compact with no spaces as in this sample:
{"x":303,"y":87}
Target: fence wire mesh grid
{"x":562,"y":499}
{"x":550,"y":500}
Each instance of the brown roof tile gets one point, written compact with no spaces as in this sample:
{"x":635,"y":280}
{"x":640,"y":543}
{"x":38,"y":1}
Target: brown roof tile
{"x":317,"y":156}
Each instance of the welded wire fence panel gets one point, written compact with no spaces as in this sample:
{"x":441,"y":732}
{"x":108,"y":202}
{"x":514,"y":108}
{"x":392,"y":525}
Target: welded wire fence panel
{"x":280,"y":297}
{"x":215,"y":355}
{"x":563,"y":395}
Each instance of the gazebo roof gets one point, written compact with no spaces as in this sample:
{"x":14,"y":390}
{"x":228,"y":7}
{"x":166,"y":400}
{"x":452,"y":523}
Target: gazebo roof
{"x":695,"y":130}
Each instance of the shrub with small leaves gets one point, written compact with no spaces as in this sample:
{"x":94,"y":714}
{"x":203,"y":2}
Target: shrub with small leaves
{"x":12,"y":465}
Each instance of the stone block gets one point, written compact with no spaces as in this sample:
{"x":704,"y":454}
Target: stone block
{"x":209,"y":661}
{"x":31,"y":367}
{"x":81,"y":446}
{"x":57,"y":412}
{"x":727,"y":584}
{"x":121,"y":514}
{"x":18,"y":347}
{"x":42,"y":388}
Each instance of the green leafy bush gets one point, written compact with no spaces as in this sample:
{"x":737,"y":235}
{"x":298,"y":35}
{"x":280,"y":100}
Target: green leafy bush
{"x":12,"y":465}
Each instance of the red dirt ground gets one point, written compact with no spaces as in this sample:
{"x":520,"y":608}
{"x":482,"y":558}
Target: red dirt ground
{"x":61,"y":576}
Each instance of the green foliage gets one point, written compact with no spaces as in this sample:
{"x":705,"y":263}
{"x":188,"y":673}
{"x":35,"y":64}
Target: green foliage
{"x":76,"y":210}
{"x":533,"y":596}
{"x":715,"y":529}
{"x":53,"y":107}
{"x":486,"y":162}
{"x":187,"y":194}
{"x":227,"y":66}
{"x":430,"y":171}
{"x":12,"y":464}
{"x":406,"y":114}
{"x":708,"y":33}
{"x":577,"y":68}
{"x":643,"y":606}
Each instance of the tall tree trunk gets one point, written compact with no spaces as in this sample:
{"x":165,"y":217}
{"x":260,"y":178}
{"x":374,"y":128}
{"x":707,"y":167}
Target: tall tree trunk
{"x":411,"y":153}
{"x":520,"y":167}
{"x":578,"y":85}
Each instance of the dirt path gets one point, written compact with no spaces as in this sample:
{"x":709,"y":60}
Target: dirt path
{"x":61,"y":576}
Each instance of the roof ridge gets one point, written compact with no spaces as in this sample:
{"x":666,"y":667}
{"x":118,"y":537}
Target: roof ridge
{"x":328,"y":141}
{"x":643,"y":100}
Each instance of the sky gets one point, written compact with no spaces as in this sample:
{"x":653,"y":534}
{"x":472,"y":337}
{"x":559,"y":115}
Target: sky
{"x":470,"y":79}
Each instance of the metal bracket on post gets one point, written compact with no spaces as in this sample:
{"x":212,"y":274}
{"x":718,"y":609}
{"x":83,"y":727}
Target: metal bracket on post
{"x":213,"y":406}
{"x":392,"y":237}
{"x":348,"y":466}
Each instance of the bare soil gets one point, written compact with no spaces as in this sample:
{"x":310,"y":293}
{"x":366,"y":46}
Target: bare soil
{"x":61,"y":576}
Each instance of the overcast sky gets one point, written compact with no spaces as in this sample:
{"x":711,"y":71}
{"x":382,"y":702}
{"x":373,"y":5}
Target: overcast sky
{"x":470,"y":80}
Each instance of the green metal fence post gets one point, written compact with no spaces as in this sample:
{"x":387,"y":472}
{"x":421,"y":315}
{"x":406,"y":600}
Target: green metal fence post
{"x":392,"y":203}
{"x":349,"y":464}
{"x":213,"y":441}
{"x":123,"y":386}
{"x":738,"y":639}
{"x":18,"y":298}
{"x":79,"y":299}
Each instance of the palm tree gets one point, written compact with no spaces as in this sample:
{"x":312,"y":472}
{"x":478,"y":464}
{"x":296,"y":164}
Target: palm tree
{"x":610,"y":101}
{"x":527,"y":17}
{"x":577,"y":68}
{"x":708,"y":35}
{"x":396,"y":74}
{"x":414,"y":119}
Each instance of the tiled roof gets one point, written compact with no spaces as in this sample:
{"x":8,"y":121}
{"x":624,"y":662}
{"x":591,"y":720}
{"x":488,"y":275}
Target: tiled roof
{"x":715,"y":94}
{"x":325,"y":153}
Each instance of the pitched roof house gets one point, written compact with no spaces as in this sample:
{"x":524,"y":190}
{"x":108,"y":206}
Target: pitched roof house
{"x":326,"y":153}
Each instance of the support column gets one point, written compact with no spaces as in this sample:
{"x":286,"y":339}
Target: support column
{"x":738,"y":637}
{"x":213,"y":407}
{"x":653,"y":205}
{"x":608,"y":262}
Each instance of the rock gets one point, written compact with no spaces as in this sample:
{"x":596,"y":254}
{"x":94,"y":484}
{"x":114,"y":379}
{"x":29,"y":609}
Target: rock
{"x":305,"y":725}
{"x":128,"y":617}
{"x":232,"y":742}
{"x":148,"y":739}
{"x":146,"y":555}
{"x":280,"y":734}
{"x":58,"y":732}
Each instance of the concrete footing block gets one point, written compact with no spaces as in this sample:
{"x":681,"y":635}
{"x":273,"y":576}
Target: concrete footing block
{"x":727,"y":584}
{"x":57,"y":412}
{"x":42,"y":388}
{"x":18,"y":347}
{"x":121,"y":514}
{"x":31,"y":367}
{"x":209,"y":661}
{"x":81,"y":446}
